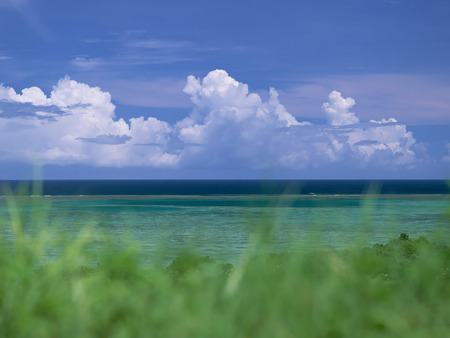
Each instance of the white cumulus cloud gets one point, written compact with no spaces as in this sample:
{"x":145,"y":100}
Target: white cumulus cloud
{"x":337,"y":110}
{"x":85,"y":130}
{"x":229,"y":127}
{"x":33,"y":95}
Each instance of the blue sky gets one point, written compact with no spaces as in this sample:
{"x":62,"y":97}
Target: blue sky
{"x":182,"y":89}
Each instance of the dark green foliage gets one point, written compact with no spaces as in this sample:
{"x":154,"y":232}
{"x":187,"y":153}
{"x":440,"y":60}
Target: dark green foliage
{"x":187,"y":263}
{"x":404,"y":237}
{"x":349,"y":293}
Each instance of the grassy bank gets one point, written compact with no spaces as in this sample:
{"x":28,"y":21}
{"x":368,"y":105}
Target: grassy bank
{"x":400,"y":289}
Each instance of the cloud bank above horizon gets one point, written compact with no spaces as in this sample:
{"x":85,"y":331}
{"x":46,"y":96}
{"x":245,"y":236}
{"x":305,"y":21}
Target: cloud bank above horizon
{"x":229,"y":127}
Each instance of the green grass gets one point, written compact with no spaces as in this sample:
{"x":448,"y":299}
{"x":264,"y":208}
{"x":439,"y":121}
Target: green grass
{"x":400,"y":289}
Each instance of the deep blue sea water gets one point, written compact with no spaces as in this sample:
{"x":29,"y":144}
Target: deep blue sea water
{"x":220,"y":218}
{"x":234,"y":187}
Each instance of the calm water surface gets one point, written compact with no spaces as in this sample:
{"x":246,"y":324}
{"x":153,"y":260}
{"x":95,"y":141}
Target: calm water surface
{"x":221,"y":226}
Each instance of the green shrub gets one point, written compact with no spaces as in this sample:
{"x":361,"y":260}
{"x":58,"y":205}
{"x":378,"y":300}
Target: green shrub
{"x":397,"y":289}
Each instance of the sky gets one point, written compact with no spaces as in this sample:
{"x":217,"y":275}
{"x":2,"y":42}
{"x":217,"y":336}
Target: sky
{"x":323,"y":89}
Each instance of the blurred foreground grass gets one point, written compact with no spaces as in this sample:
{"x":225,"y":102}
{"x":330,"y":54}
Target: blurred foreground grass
{"x":400,"y":289}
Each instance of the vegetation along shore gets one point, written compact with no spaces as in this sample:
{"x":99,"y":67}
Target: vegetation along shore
{"x":397,"y":289}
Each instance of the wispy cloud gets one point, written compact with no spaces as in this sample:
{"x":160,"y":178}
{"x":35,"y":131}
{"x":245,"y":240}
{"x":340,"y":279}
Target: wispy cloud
{"x":158,"y":44}
{"x":27,"y":11}
{"x":86,"y":63}
{"x":136,"y":47}
{"x":392,"y":2}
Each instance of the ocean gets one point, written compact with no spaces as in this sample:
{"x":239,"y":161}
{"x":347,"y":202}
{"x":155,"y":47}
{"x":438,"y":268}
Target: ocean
{"x":222,"y":218}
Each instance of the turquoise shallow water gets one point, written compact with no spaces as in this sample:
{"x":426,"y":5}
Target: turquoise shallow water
{"x":221,"y":226}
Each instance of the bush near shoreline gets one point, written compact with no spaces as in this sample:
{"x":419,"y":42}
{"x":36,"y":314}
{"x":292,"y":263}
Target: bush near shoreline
{"x":398,"y":289}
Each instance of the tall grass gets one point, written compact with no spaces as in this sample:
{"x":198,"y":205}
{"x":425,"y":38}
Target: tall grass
{"x":400,"y":289}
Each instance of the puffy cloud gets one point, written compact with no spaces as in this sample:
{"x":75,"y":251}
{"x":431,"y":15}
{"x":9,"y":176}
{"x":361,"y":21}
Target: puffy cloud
{"x":67,"y":93}
{"x":81,"y":129}
{"x":149,"y":131}
{"x":337,"y":110}
{"x":235,"y":126}
{"x":7,"y":93}
{"x":4,"y":92}
{"x":232,"y":125}
{"x":219,"y":90}
{"x":224,"y":97}
{"x":33,"y":95}
{"x":229,"y":127}
{"x":393,"y":141}
{"x":71,"y":93}
{"x":416,"y":99}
